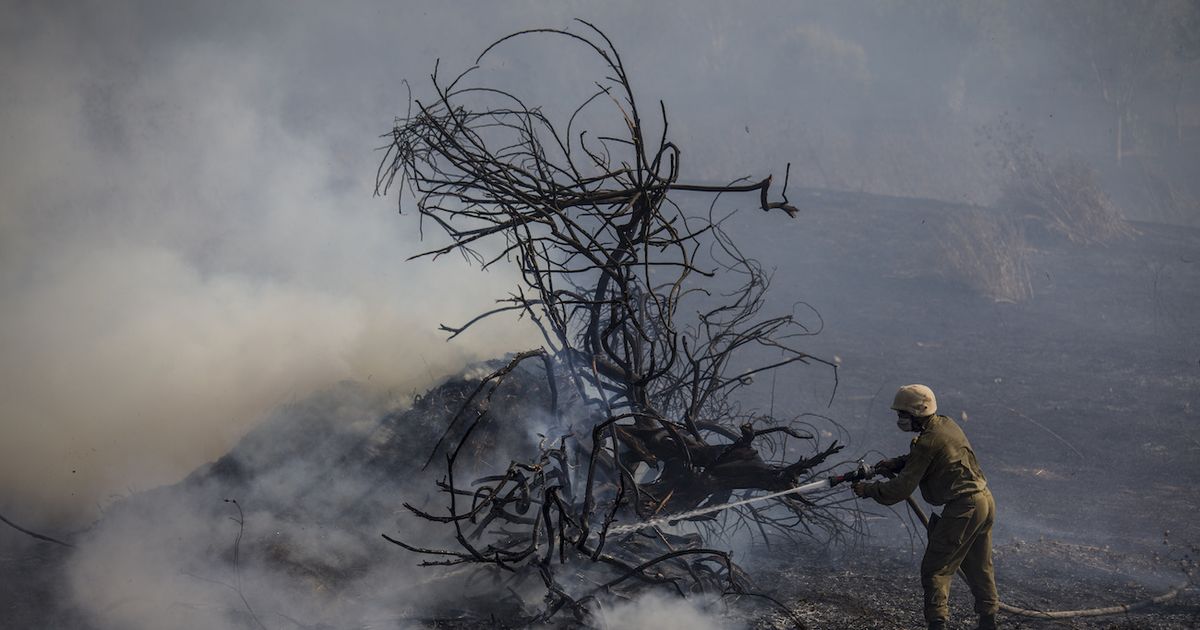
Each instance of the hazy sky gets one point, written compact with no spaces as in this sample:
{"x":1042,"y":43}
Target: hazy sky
{"x":188,"y":234}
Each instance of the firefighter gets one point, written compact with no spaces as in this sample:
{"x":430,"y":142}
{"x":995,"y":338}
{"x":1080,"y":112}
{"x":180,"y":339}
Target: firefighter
{"x":942,"y":463}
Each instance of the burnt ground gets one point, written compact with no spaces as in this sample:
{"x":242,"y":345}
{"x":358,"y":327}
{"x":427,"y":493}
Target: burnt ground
{"x":878,"y":588}
{"x":1081,"y":404}
{"x":875,"y":587}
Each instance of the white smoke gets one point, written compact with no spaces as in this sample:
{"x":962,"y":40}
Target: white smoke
{"x":658,"y":612}
{"x":187,"y":238}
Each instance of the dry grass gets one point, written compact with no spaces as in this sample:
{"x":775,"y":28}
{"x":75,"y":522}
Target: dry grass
{"x":1058,"y":196}
{"x":1041,"y":199}
{"x":1064,"y":199}
{"x":989,"y":253}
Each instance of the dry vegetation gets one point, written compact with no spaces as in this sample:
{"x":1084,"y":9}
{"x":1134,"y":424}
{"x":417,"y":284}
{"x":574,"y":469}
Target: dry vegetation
{"x":988,"y":252}
{"x":1042,"y":200}
{"x":643,"y":356}
{"x":1064,"y":199}
{"x":1059,"y":196}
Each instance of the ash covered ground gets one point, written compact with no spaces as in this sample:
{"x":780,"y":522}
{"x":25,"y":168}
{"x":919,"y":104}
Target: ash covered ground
{"x":1081,"y":403}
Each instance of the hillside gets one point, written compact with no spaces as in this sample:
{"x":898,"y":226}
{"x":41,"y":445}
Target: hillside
{"x":1081,"y":402}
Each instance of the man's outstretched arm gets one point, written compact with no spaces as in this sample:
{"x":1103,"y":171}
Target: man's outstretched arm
{"x":902,"y":486}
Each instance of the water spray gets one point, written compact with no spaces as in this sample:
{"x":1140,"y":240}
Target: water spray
{"x":863,"y":471}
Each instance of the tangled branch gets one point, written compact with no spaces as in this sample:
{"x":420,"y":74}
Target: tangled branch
{"x":648,"y":420}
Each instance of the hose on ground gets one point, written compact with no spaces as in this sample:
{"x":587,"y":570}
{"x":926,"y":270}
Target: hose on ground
{"x":33,"y":533}
{"x":1065,"y":614}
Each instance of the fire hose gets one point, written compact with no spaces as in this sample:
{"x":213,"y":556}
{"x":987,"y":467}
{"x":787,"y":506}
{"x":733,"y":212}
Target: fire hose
{"x":1064,"y":614}
{"x":863,"y":472}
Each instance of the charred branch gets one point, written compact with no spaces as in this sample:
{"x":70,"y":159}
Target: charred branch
{"x":607,"y":261}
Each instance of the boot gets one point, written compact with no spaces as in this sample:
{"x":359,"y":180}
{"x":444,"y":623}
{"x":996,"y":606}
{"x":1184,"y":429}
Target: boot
{"x":986,"y":622}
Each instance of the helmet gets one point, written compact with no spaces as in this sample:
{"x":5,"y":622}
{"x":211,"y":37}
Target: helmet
{"x":916,"y":400}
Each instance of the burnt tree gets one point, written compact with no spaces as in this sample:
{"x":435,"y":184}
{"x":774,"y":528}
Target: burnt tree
{"x":644,"y":396}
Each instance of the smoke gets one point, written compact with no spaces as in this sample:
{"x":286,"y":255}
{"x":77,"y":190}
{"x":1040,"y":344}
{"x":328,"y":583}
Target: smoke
{"x":187,"y":228}
{"x":667,"y":613}
{"x":187,"y":238}
{"x":301,"y":544}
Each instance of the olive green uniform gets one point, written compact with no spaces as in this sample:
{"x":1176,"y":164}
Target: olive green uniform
{"x":942,"y":463}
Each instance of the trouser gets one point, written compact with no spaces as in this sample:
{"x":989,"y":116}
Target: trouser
{"x":962,"y":537}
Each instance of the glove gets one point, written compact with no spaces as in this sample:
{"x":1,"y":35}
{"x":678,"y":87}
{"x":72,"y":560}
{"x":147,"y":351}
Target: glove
{"x":859,"y":488}
{"x":889,"y":467}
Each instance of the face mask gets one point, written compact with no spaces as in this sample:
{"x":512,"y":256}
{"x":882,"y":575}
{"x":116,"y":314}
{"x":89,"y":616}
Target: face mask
{"x":905,"y":423}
